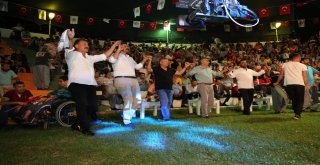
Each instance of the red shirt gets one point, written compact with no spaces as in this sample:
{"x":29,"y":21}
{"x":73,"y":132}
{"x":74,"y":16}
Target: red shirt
{"x":13,"y":96}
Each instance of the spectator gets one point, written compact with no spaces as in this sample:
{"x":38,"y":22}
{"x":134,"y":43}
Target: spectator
{"x":15,"y":102}
{"x":7,"y":78}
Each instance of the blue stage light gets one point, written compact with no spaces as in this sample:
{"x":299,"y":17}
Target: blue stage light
{"x":171,"y":123}
{"x":209,"y":130}
{"x":195,"y":138}
{"x":153,"y":140}
{"x":108,"y":128}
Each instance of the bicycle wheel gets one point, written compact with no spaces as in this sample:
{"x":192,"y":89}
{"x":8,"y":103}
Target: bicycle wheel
{"x":66,"y":113}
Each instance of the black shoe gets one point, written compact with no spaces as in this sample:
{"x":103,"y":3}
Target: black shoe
{"x":296,"y":117}
{"x":75,"y":127}
{"x":88,"y":132}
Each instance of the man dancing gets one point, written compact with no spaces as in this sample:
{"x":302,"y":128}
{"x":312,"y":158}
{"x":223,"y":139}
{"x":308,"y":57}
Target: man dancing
{"x":295,"y":82}
{"x":126,"y":82}
{"x":163,"y":84}
{"x":244,"y":77}
{"x":82,"y":83}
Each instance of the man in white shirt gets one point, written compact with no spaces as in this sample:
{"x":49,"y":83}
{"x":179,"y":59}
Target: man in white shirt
{"x":82,"y":83}
{"x":295,"y":82}
{"x":244,"y":78}
{"x":126,"y":82}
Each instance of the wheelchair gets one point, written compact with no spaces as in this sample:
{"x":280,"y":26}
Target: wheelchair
{"x":60,"y":110}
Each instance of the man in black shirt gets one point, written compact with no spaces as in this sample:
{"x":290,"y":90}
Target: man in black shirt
{"x":163,"y":83}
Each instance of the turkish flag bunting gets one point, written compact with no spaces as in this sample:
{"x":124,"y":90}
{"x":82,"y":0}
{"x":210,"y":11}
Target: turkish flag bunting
{"x":23,"y":11}
{"x":122,"y":24}
{"x":285,"y":9}
{"x":173,"y":2}
{"x":285,"y":23}
{"x":153,"y":25}
{"x":148,"y":8}
{"x":142,"y":25}
{"x":90,"y":21}
{"x":264,"y":12}
{"x":58,"y":19}
{"x":180,"y":29}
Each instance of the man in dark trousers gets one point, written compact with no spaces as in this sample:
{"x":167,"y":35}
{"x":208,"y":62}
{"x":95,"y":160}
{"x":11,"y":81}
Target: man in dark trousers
{"x":244,"y":77}
{"x":81,"y":81}
{"x":295,"y":82}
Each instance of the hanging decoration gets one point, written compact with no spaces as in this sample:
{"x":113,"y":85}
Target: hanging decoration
{"x":90,"y":21}
{"x":122,"y":24}
{"x":285,"y":9}
{"x":73,"y":20}
{"x":58,"y":19}
{"x":42,"y":14}
{"x":264,"y":12}
{"x":148,"y":8}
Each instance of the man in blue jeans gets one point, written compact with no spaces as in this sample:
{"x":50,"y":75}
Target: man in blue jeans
{"x":163,"y":75}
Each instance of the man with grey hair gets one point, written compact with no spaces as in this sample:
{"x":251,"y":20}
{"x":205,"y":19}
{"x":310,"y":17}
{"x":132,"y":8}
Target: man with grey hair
{"x":204,"y":76}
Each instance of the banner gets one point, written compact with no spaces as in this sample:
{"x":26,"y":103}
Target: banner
{"x":42,"y":14}
{"x":285,"y":9}
{"x":90,"y":21}
{"x":58,"y":19}
{"x":148,"y":8}
{"x":23,"y":11}
{"x":161,"y":4}
{"x":136,"y":12}
{"x":153,"y":25}
{"x":4,"y":6}
{"x":122,"y":24}
{"x":301,"y":23}
{"x":264,"y":12}
{"x":136,"y":24}
{"x":73,"y":20}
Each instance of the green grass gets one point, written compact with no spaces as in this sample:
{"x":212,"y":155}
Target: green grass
{"x":262,"y":138}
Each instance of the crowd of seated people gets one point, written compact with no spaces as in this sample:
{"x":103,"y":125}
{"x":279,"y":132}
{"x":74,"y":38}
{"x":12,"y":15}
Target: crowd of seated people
{"x":222,"y":55}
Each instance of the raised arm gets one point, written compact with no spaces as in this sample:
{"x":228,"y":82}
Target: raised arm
{"x":186,"y":65}
{"x":149,"y":65}
{"x":113,"y":47}
{"x":71,"y":37}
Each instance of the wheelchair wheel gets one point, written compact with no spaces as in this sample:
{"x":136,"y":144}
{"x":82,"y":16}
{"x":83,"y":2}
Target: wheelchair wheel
{"x":66,"y":113}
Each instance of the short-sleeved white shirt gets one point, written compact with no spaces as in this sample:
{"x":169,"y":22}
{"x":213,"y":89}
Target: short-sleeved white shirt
{"x":293,"y":73}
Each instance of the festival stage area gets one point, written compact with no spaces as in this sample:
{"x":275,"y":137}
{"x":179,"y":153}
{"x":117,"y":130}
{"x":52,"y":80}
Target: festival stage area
{"x":228,"y":138}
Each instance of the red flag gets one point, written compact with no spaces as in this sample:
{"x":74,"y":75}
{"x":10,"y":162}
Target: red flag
{"x":180,"y":29}
{"x":58,"y":19}
{"x":173,"y":2}
{"x":153,"y":25}
{"x":148,"y":8}
{"x":23,"y":11}
{"x":264,"y":12}
{"x":122,"y":24}
{"x":285,"y":9}
{"x":142,"y":25}
{"x":285,"y":23}
{"x":90,"y":21}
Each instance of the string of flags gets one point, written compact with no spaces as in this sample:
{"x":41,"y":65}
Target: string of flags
{"x":59,"y":18}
